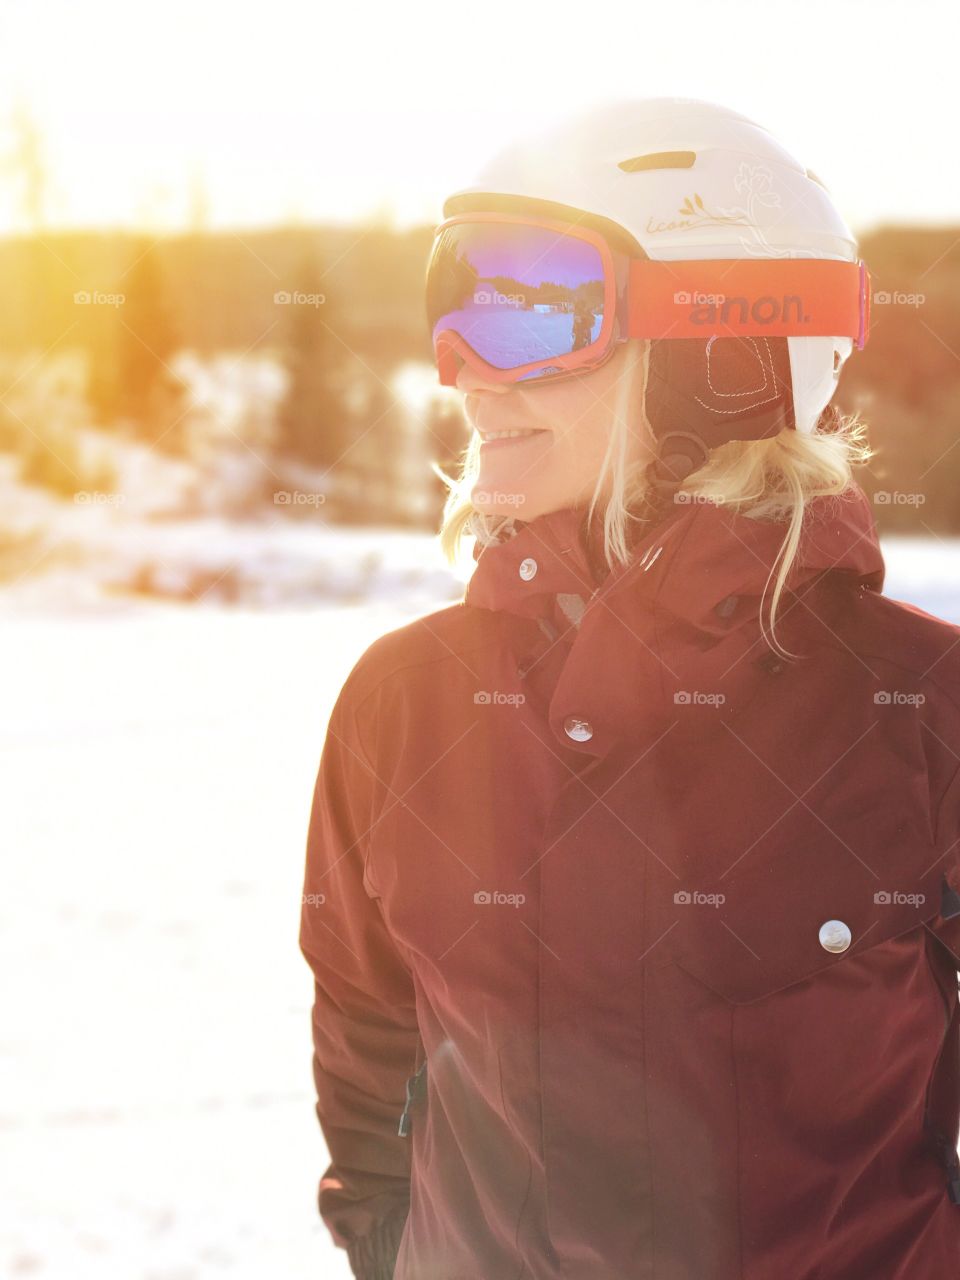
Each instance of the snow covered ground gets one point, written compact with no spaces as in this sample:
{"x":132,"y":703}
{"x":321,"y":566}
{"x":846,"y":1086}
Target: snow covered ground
{"x":157,"y":760}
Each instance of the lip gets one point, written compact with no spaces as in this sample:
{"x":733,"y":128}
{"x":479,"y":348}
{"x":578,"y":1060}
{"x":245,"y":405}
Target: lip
{"x":504,"y":441}
{"x":486,"y":413}
{"x":484,"y":426}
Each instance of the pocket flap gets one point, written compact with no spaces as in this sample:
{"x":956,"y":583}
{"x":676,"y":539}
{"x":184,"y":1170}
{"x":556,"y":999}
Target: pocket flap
{"x":785,"y":918}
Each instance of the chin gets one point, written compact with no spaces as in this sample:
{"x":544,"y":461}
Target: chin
{"x":498,"y":496}
{"x":497,"y":502}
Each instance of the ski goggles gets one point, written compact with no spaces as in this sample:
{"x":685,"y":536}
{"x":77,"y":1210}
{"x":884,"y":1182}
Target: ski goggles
{"x":530,"y":299}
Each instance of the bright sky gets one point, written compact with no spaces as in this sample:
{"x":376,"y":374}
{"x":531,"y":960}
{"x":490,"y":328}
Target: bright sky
{"x":309,"y":111}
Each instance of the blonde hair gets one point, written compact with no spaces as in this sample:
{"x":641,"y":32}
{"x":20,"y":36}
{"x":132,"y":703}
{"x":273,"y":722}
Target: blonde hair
{"x":770,"y":479}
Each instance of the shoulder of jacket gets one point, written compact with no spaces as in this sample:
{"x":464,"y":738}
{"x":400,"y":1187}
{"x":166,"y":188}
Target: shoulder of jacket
{"x":908,"y":638}
{"x":448,"y":635}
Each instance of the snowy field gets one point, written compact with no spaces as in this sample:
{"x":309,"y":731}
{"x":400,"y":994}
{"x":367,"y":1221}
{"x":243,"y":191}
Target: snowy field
{"x":158,"y":761}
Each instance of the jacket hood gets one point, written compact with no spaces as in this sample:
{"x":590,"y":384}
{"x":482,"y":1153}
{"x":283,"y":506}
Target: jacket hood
{"x":686,"y":567}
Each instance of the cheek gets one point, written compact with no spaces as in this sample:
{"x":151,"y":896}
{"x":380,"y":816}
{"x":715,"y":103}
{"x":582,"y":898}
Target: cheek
{"x":583,"y":440}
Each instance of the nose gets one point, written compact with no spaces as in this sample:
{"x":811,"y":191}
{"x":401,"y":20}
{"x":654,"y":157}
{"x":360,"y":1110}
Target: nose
{"x":470,"y":381}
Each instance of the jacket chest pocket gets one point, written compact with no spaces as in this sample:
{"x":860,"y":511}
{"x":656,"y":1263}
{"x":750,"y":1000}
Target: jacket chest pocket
{"x":788,"y":917}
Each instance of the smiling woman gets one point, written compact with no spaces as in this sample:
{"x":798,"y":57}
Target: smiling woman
{"x":637,"y":936}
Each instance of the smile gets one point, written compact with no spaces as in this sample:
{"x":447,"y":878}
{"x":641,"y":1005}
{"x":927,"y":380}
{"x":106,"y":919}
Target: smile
{"x":513,"y":434}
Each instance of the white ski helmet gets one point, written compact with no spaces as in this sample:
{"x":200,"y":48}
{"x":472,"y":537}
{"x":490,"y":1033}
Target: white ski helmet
{"x":685,"y":179}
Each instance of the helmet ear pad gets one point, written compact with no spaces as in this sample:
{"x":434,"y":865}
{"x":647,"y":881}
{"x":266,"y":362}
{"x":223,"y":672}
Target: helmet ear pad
{"x":702,"y":392}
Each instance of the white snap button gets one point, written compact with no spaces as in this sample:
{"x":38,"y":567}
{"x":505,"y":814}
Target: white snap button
{"x":835,"y":936}
{"x":577,"y":729}
{"x":528,"y":569}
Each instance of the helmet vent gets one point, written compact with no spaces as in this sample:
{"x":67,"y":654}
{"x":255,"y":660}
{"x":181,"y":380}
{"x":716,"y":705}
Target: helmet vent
{"x":659,"y":160}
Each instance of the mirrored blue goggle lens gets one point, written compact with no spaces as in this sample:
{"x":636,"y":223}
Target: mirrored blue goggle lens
{"x":517,"y":294}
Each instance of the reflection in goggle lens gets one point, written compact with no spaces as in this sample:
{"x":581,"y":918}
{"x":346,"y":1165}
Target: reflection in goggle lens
{"x":515,"y":293}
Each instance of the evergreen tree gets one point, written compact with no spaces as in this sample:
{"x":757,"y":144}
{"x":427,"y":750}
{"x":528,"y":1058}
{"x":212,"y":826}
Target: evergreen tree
{"x":148,"y":391}
{"x":314,"y":424}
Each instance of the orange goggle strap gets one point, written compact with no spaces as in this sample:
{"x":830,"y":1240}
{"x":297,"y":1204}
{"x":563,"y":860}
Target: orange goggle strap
{"x":749,"y":297}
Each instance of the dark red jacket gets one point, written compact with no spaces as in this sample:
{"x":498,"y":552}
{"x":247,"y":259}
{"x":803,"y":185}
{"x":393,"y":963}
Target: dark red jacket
{"x":575,"y":850}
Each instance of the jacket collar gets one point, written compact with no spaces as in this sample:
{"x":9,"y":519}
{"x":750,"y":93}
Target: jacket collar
{"x":688,"y":566}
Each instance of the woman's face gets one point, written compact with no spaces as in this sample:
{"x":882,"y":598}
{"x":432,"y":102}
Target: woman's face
{"x":563,"y":429}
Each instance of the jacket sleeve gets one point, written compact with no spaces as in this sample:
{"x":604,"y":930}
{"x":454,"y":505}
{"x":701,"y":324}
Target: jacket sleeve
{"x":365,"y":1034}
